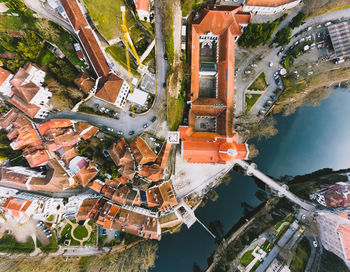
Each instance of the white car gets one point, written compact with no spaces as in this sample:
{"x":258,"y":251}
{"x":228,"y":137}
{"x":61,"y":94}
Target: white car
{"x":270,"y":64}
{"x":314,"y":243}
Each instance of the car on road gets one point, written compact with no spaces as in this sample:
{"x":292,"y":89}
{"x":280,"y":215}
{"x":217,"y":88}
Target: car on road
{"x":247,"y":71}
{"x":165,"y":56}
{"x":278,"y":80}
{"x":107,"y":128}
{"x":270,"y":63}
{"x":314,"y":243}
{"x":272,"y":97}
{"x":131,"y":132}
{"x":153,"y":119}
{"x":253,"y":65}
{"x":302,"y":228}
{"x":164,"y":85}
{"x":145,"y":125}
{"x":96,"y":106}
{"x":119,"y":132}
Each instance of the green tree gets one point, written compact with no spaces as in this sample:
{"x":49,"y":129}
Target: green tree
{"x":283,"y":36}
{"x":297,"y":20}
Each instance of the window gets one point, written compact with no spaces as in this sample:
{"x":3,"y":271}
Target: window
{"x":226,"y":74}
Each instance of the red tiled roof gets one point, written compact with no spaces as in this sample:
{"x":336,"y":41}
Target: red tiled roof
{"x":142,"y":152}
{"x":37,"y":158}
{"x":152,"y":173}
{"x":94,"y":51}
{"x":168,"y":196}
{"x":26,"y":91}
{"x":29,"y":109}
{"x":74,"y":13}
{"x":85,"y":130}
{"x":4,"y":74}
{"x":344,"y":232}
{"x":16,"y":205}
{"x":203,"y":147}
{"x":85,"y":82}
{"x":69,"y":155}
{"x":142,"y":5}
{"x":163,"y":156}
{"x":53,"y":123}
{"x":96,"y":185}
{"x":110,"y":89}
{"x":86,"y":174}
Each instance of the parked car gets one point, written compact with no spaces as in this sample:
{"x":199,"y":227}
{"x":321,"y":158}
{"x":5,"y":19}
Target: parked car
{"x":314,"y":243}
{"x":272,"y":97}
{"x":96,"y":106}
{"x":164,"y":85}
{"x":153,"y":119}
{"x":102,"y":109}
{"x":270,"y":64}
{"x":165,"y":56}
{"x":119,"y":132}
{"x":145,"y":125}
{"x":131,"y":132}
{"x":278,"y":81}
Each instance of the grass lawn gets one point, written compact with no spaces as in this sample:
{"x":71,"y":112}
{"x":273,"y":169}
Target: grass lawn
{"x":66,"y":235}
{"x":93,"y":235}
{"x":301,"y":256}
{"x":176,"y":109}
{"x":80,"y":232}
{"x":250,"y":100}
{"x":51,"y":247}
{"x":109,"y":18}
{"x":287,"y":62}
{"x":280,"y":233}
{"x":259,"y":83}
{"x":118,"y":54}
{"x":63,"y":39}
{"x":9,"y":244}
{"x":46,"y":57}
{"x":247,"y":258}
{"x":255,"y":266}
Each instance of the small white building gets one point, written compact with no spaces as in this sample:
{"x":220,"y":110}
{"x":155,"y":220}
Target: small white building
{"x":266,"y":7}
{"x":143,"y":9}
{"x":5,"y":85}
{"x":27,"y":92}
{"x":138,"y":97}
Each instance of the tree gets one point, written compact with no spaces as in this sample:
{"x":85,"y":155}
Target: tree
{"x":283,"y":36}
{"x":297,"y":20}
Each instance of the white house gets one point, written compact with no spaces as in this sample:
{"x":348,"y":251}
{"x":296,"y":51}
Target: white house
{"x":268,"y":6}
{"x":143,"y":9}
{"x":5,"y":85}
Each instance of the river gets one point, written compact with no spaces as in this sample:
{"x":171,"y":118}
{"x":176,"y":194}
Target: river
{"x":310,"y":139}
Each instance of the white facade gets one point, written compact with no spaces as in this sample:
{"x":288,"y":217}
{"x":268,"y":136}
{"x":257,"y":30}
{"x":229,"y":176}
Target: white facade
{"x":5,"y":87}
{"x":328,"y":225}
{"x":122,"y":95}
{"x":53,"y":4}
{"x":269,"y":9}
{"x":144,"y":15}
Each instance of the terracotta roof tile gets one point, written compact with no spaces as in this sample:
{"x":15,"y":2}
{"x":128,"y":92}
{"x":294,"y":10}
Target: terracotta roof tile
{"x":142,"y":152}
{"x":110,"y":89}
{"x":94,"y":51}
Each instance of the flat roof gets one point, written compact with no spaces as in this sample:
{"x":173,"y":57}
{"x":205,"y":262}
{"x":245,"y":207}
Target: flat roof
{"x":340,"y":37}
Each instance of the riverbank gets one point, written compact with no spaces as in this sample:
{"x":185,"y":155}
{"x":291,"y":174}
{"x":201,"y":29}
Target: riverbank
{"x":310,"y":90}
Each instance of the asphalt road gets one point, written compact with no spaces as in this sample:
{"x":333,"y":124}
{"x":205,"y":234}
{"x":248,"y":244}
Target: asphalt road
{"x":276,"y":249}
{"x":126,"y":123}
{"x":262,"y":66}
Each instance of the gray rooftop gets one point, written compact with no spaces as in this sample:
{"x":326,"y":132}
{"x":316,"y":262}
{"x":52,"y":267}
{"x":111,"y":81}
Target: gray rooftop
{"x":340,"y":36}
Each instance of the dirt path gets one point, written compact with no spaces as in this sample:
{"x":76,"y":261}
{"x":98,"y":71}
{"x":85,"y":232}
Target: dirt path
{"x":176,"y":77}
